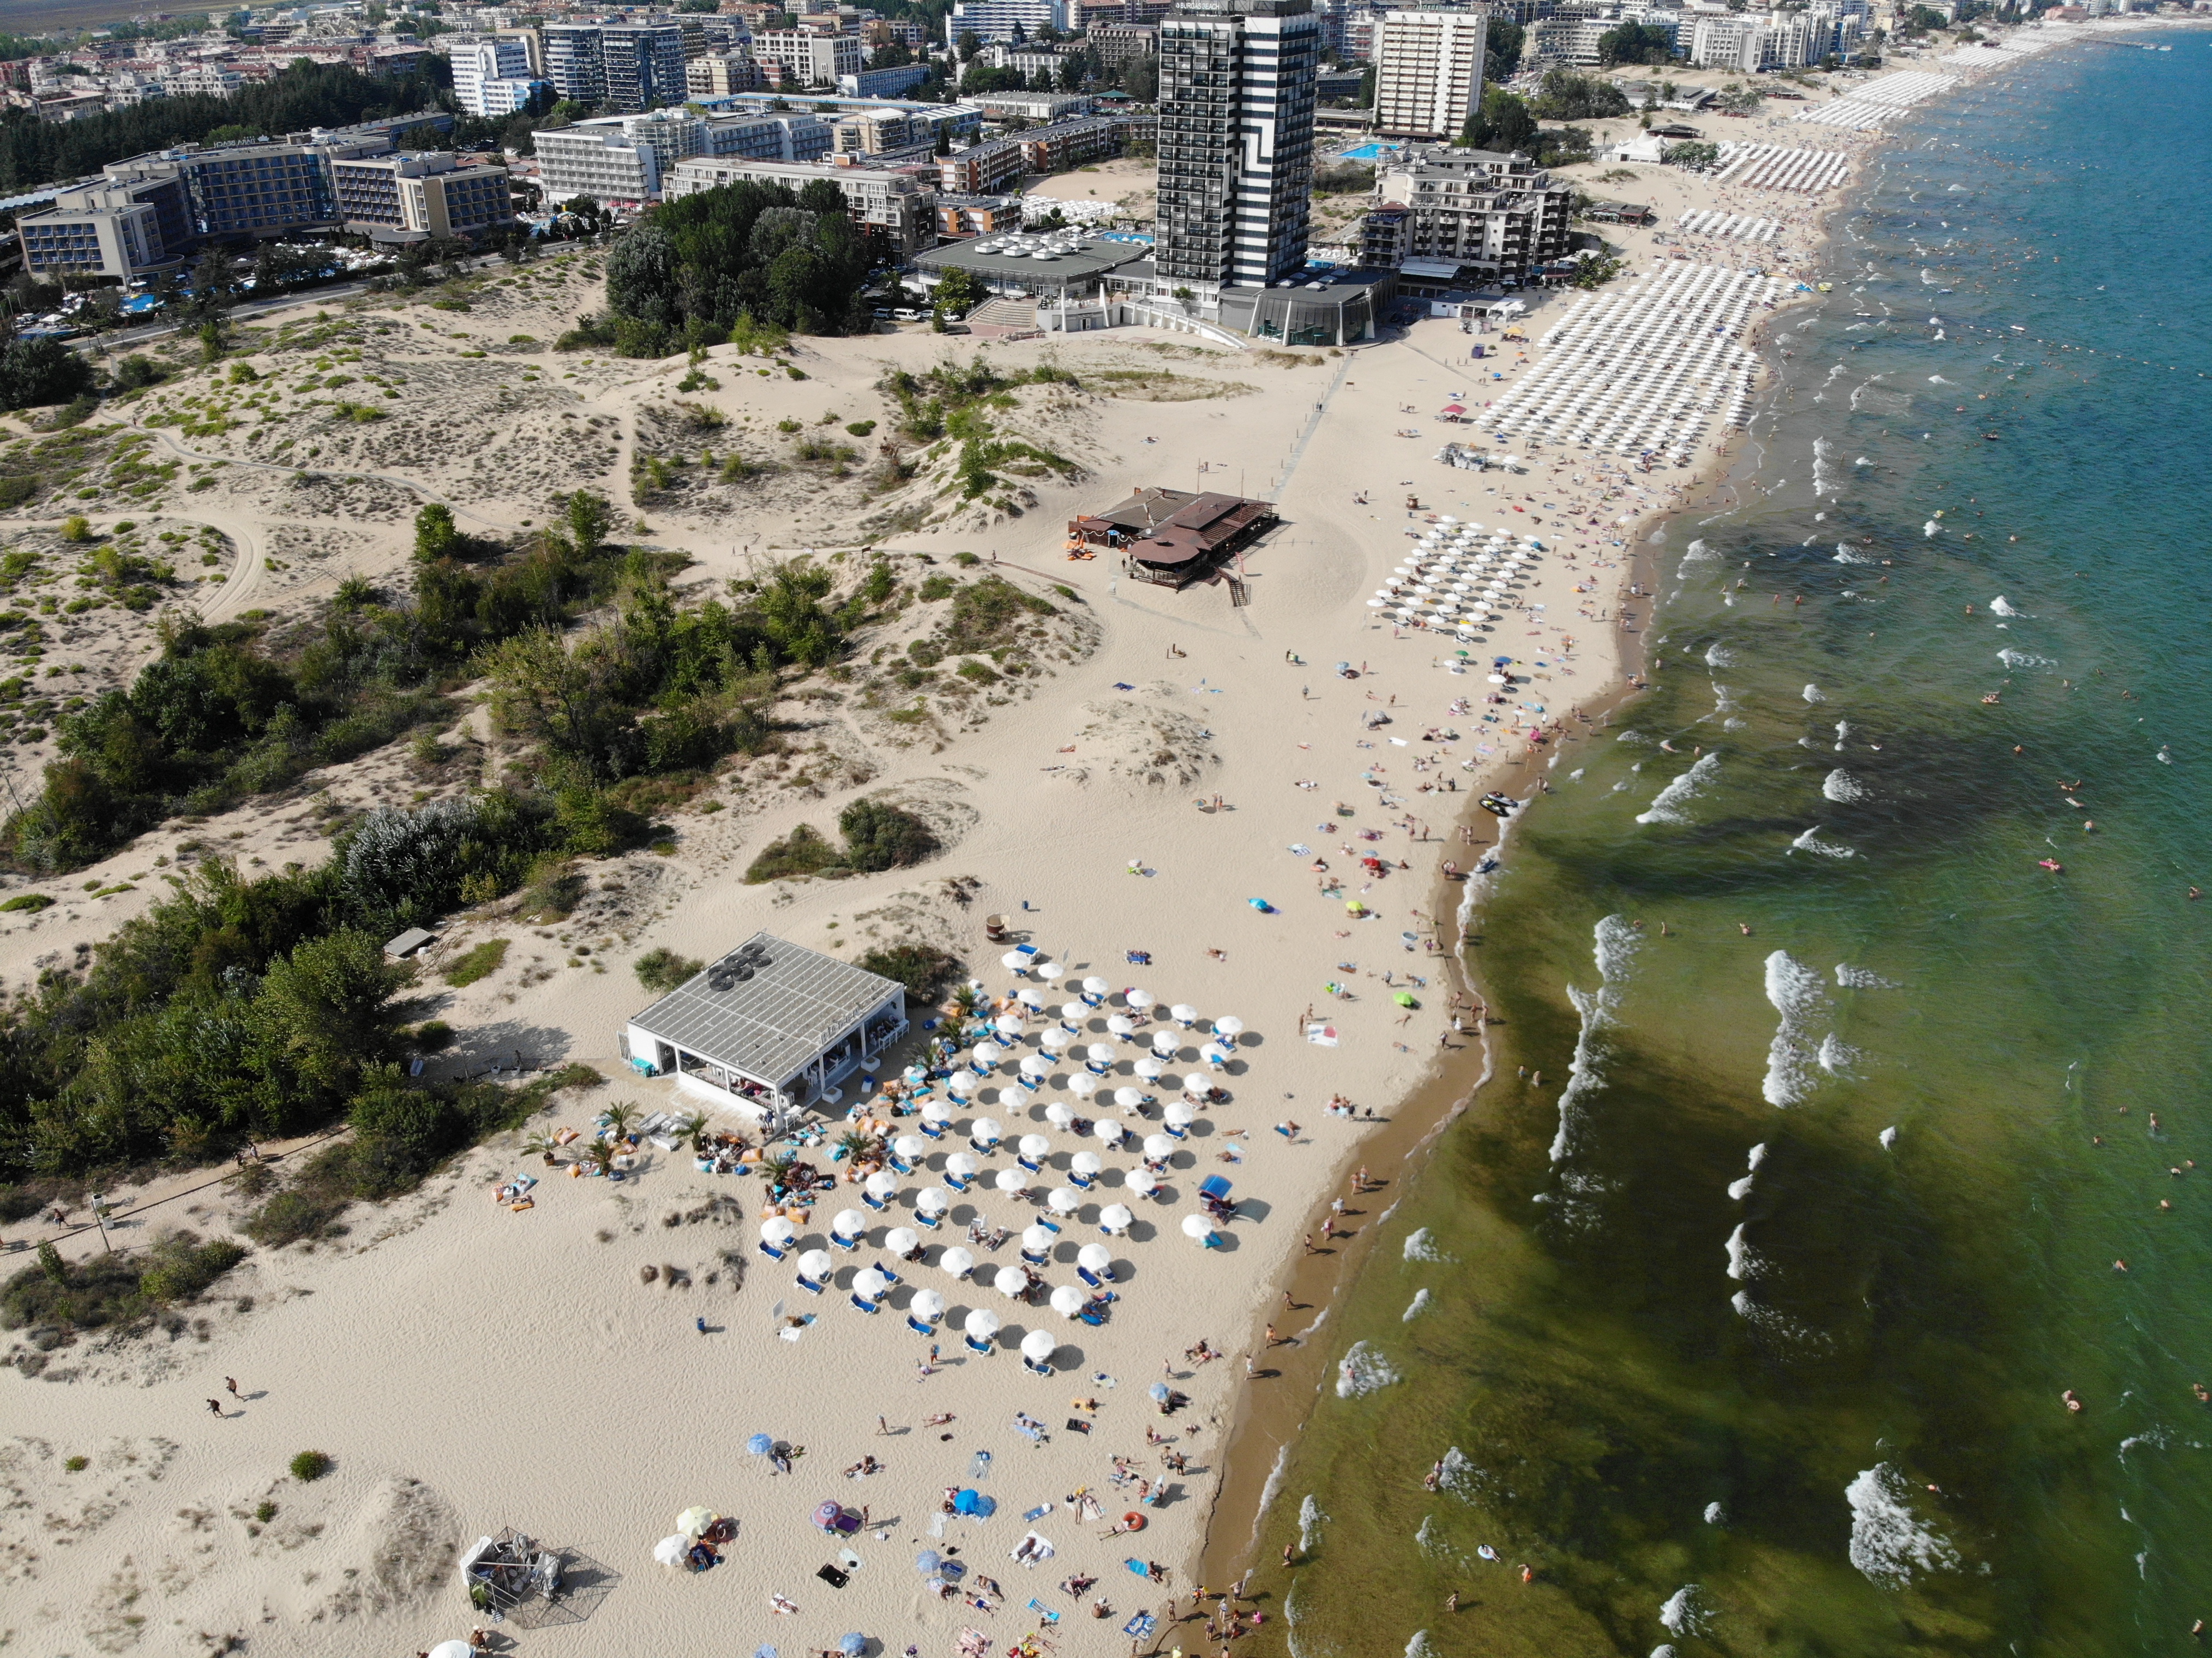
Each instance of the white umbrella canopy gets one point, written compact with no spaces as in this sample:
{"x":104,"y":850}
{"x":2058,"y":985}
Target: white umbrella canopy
{"x":907,"y":1148}
{"x":982,"y":1324}
{"x":1165,"y":1044}
{"x":1067,"y":1301}
{"x":1010,"y":1024}
{"x":1074,"y":1013}
{"x":1036,"y":1066}
{"x":932,"y":1199}
{"x":1083,"y":1087}
{"x":1140,"y":999}
{"x":1150,"y":1070}
{"x":868,"y":1283}
{"x":1064,"y":1201}
{"x":694,"y":1520}
{"x":1055,"y":1040}
{"x":987,"y":1129}
{"x":901,"y":1240}
{"x":1015,"y":963}
{"x":964,"y":1083}
{"x":1095,"y":985}
{"x":1051,"y":972}
{"x":850,"y":1223}
{"x":936,"y":1111}
{"x":1038,"y":1346}
{"x":1142,"y":1182}
{"x":1035,"y":1147}
{"x":1010,"y":1281}
{"x":1037,"y":1240}
{"x":1094,"y":1258}
{"x":815,"y":1264}
{"x":1099,"y":1053}
{"x":957,"y":1261}
{"x":927,"y":1305}
{"x":1009,"y":1180}
{"x":1197,"y":1227}
{"x":880,"y":1185}
{"x":1121,"y":1025}
{"x":962,"y":1166}
{"x":1128,"y":1098}
{"x":1031,"y":998}
{"x":669,"y":1551}
{"x":1115,"y":1217}
{"x":1058,"y":1115}
{"x":777,"y":1231}
{"x":1229,"y":1025}
{"x":1179,"y":1115}
{"x":1183,"y":1014}
{"x":1110,"y":1131}
{"x":1085,"y":1162}
{"x":1159,"y":1147}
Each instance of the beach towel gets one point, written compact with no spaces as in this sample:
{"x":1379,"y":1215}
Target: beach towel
{"x":1032,"y":1550}
{"x":1044,"y":1612}
{"x":1140,"y":1627}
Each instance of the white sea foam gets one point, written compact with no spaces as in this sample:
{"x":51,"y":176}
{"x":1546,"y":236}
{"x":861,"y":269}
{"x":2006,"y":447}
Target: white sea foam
{"x":1796,"y":994}
{"x":1846,"y":554}
{"x":1460,"y":1476}
{"x":1615,"y":951}
{"x":1937,"y":379}
{"x":1889,"y":1543}
{"x":1699,"y":553}
{"x":2013,"y":659}
{"x":1433,"y":1544}
{"x":1821,"y":486}
{"x":1810,"y":840}
{"x":1415,"y":1308}
{"x":1755,"y":1157}
{"x":1719,"y":656}
{"x":1998,"y":606}
{"x":1814,"y":693}
{"x":1681,"y":1614}
{"x":1889,"y":1137}
{"x":1714,"y":1514}
{"x":1741,"y":1189}
{"x":1419,"y":1647}
{"x":1931,"y":528}
{"x":1860,"y":978}
{"x":1666,"y":806}
{"x":1737,"y":1252}
{"x":1836,"y":1055}
{"x":1363,"y":1370}
{"x":1310,"y":1521}
{"x":1840,"y":785}
{"x":1664,"y":1649}
{"x":1420,"y":1245}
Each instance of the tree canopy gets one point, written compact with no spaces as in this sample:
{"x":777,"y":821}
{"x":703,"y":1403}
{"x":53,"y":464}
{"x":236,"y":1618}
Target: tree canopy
{"x":1637,"y":43}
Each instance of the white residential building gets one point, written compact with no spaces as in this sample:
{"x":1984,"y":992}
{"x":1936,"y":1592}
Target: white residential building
{"x":1428,"y":71}
{"x":999,"y":19}
{"x":598,"y":161}
{"x":491,"y":76}
{"x":810,"y":58}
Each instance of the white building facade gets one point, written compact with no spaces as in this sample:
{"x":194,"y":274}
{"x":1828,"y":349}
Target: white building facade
{"x":1428,"y":71}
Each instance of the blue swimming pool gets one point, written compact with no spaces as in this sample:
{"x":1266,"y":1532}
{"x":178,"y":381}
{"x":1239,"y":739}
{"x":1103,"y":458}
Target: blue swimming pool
{"x":1367,"y":152}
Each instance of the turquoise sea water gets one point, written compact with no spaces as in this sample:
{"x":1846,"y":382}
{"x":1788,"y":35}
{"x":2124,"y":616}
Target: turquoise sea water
{"x":1733,"y":1367}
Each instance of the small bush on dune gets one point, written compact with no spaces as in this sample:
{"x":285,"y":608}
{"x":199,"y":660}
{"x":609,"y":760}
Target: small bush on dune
{"x":664,"y":969}
{"x":310,"y":1465}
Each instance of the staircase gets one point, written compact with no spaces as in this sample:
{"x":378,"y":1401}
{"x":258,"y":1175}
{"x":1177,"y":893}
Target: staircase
{"x":1004,"y":319}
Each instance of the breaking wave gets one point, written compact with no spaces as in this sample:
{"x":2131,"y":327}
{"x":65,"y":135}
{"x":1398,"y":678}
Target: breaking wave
{"x":1666,"y":806}
{"x":1860,"y":978}
{"x":1616,"y":942}
{"x":1362,"y":1371}
{"x":1840,"y":785}
{"x":1810,"y":840}
{"x":1796,"y":993}
{"x":1889,"y":1543}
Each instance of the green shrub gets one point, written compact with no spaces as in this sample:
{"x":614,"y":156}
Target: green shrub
{"x":879,"y":836}
{"x":967,"y":561}
{"x":32,"y":901}
{"x":939,"y":586}
{"x":77,"y":1464}
{"x":802,"y":851}
{"x":921,"y":969}
{"x":663,"y":970}
{"x":860,"y":428}
{"x":434,"y":1036}
{"x":114,"y":1288}
{"x":982,"y":673}
{"x":291,"y":1216}
{"x":310,"y":1465}
{"x":787,"y":426}
{"x":480,"y":962}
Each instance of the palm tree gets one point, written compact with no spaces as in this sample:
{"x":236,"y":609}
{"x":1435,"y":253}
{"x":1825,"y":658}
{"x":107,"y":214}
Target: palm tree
{"x":619,"y":1116}
{"x":600,"y":1155}
{"x":853,"y":1146}
{"x":692,"y":1126}
{"x":540,"y":1146}
{"x":965,"y":999}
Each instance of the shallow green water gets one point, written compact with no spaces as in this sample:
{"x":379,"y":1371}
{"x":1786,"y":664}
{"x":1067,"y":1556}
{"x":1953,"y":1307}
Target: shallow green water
{"x":1707,"y":1402}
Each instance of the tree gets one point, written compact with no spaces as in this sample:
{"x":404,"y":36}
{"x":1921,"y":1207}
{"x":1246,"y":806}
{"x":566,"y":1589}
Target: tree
{"x":35,"y":373}
{"x":1501,"y":47}
{"x":969,"y":46}
{"x":880,"y":836}
{"x":958,"y":291}
{"x":1635,"y":43}
{"x":436,"y":536}
{"x":1501,"y":122}
{"x":1565,"y":96}
{"x":564,"y":699}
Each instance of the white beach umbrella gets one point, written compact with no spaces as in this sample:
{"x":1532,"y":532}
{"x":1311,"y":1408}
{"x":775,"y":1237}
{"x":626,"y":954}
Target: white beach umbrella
{"x":1140,"y":999}
{"x":850,"y":1223}
{"x":1095,"y":1258}
{"x":1229,"y":1025}
{"x":1158,"y":1148}
{"x":1121,"y":1025}
{"x":1165,"y":1044}
{"x":981,"y":1324}
{"x":1064,"y":1201}
{"x":1038,"y":1240}
{"x":1067,"y":1300}
{"x":1099,"y":1053}
{"x":815,"y":1264}
{"x":961,"y":1166}
{"x":901,"y":1240}
{"x":868,"y":1283}
{"x":927,"y":1305}
{"x":668,"y":1552}
{"x":986,"y":1131}
{"x":1058,"y":1115}
{"x":1095,"y":985}
{"x":1115,"y":1217}
{"x":936,"y":1111}
{"x":1128,"y":1098}
{"x":1051,"y":972}
{"x":1036,"y":1066}
{"x":1083,"y":1087}
{"x":957,"y":1261}
{"x":1197,"y":1228}
{"x":1055,"y":1040}
{"x":909,"y":1148}
{"x":1038,"y":1346}
{"x":1015,"y":963}
{"x":1010,"y":1026}
{"x":1034,"y":1149}
{"x":932,"y":1200}
{"x":880,"y":1185}
{"x":1150,"y":1070}
{"x":1031,"y":998}
{"x":1074,"y":1014}
{"x":1086,"y":1163}
{"x":1142,"y":1182}
{"x":1009,"y":1181}
{"x":1179,"y":1115}
{"x":778,"y":1233}
{"x":1110,"y":1131}
{"x":1010,"y":1281}
{"x":964,"y":1083}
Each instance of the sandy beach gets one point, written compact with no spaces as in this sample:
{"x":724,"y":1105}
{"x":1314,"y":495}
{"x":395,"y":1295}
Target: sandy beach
{"x":469,"y":1367}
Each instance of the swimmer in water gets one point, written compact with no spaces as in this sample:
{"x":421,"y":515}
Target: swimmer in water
{"x":2072,"y":1402}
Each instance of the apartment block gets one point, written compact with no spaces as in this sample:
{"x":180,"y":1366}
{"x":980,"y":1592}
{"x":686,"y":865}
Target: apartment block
{"x":263,"y":189}
{"x":720,"y":73}
{"x":416,"y":197}
{"x":492,"y":75}
{"x":1497,"y":213}
{"x":900,"y":204}
{"x":1236,"y":141}
{"x":1003,"y":19}
{"x":808,"y":57}
{"x":1118,"y":43}
{"x":642,"y":64}
{"x":1428,"y":71}
{"x":598,"y":162}
{"x":101,"y":230}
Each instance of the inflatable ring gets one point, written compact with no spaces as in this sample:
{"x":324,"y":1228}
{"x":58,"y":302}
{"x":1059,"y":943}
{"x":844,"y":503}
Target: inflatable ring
{"x":1133,"y":1520}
